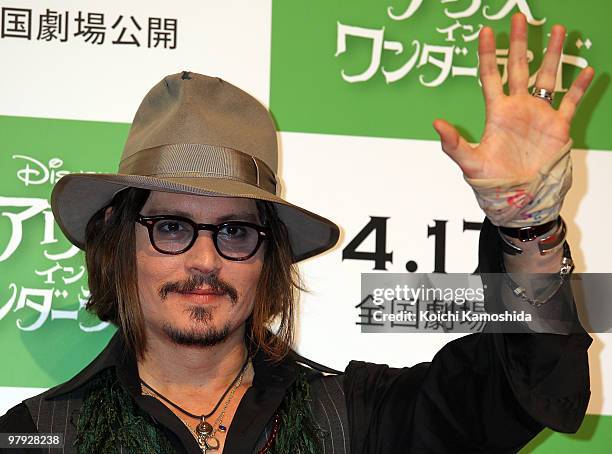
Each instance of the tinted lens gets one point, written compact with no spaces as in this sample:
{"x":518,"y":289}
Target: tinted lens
{"x":172,"y":235}
{"x":237,"y":241}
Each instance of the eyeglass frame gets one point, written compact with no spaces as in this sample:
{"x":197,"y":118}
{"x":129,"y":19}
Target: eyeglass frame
{"x":149,"y":222}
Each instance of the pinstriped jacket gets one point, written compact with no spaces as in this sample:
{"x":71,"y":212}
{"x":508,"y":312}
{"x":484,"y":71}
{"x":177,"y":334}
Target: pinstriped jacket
{"x":57,"y":410}
{"x":486,"y":393}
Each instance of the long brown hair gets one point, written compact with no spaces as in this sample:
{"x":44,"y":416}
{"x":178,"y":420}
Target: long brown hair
{"x":113,"y":283}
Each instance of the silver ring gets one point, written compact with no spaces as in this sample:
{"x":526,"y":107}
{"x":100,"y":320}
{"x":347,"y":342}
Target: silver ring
{"x":543,"y":93}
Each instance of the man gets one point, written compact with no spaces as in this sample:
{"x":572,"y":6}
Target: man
{"x":191,"y":253}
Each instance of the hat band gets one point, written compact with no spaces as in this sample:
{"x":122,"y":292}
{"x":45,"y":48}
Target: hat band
{"x":199,"y":160}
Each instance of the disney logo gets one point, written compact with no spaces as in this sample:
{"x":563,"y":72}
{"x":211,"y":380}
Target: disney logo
{"x":35,"y":172}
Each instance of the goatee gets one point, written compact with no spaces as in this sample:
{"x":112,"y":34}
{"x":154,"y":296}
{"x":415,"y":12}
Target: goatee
{"x":193,"y":337}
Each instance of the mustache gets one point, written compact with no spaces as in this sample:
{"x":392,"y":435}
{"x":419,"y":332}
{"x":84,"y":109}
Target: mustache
{"x":196,"y":281}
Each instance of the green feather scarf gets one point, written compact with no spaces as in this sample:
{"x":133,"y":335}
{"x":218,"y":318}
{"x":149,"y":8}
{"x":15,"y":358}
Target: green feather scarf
{"x":110,"y":418}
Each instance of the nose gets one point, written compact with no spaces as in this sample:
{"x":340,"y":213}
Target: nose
{"x":203,"y":256}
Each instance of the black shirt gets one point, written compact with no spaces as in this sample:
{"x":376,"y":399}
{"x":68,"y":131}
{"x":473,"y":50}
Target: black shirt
{"x":481,"y":393}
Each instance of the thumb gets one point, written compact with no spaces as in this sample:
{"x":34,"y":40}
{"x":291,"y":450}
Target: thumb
{"x":453,"y":144}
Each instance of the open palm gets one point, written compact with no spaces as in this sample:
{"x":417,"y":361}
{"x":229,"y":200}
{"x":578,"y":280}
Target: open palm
{"x":522,"y":132}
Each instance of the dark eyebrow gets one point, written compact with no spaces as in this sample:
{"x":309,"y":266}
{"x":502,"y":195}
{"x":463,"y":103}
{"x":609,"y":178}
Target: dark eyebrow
{"x":237,"y":216}
{"x":240,"y":216}
{"x":167,"y":211}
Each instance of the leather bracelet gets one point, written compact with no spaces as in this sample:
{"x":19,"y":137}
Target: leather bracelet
{"x":528,"y":233}
{"x":545,"y":245}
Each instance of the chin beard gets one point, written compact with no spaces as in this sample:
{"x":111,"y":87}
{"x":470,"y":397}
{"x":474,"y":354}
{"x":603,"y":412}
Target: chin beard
{"x":202,"y":335}
{"x":194,"y":337}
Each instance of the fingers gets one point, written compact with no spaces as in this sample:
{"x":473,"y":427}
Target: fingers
{"x":455,"y":146}
{"x":518,"y":68}
{"x":489,"y":75}
{"x":572,"y":97}
{"x":547,"y":74}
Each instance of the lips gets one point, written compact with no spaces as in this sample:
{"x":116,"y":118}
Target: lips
{"x":204,"y":292}
{"x":202,"y":295}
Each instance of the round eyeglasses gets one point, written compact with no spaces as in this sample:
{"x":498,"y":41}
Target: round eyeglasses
{"x":233,"y":240}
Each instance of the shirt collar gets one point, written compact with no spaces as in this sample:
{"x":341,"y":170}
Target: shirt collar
{"x":116,"y":354}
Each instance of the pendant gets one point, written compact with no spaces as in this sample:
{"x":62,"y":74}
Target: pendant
{"x":204,"y":428}
{"x":208,"y":443}
{"x":206,"y":440}
{"x":211,"y":443}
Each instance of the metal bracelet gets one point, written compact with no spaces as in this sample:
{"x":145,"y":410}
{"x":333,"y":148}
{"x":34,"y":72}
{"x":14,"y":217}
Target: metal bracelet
{"x":567,"y":266}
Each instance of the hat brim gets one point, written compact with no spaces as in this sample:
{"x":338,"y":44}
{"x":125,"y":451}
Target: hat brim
{"x":77,"y":197}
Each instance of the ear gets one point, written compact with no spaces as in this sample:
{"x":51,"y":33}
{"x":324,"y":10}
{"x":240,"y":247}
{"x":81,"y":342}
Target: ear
{"x":107,"y":213}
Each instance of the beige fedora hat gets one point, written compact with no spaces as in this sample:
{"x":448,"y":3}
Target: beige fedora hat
{"x":195,"y":134}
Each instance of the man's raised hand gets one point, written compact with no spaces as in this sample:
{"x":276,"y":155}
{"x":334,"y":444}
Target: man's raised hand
{"x":522,"y":132}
